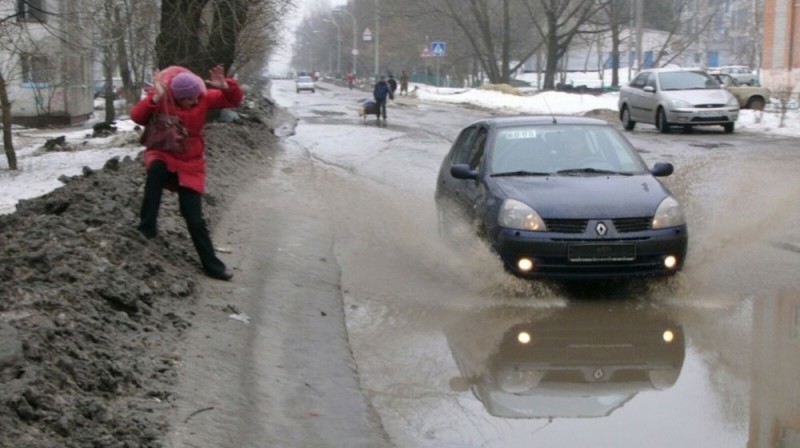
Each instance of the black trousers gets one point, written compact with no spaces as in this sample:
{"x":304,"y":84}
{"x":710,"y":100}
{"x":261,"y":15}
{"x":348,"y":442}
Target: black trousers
{"x":191,"y":207}
{"x":381,"y":108}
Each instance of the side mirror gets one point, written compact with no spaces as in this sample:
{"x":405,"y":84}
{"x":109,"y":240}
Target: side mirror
{"x":649,"y":89}
{"x":662,"y":169}
{"x":463,"y":171}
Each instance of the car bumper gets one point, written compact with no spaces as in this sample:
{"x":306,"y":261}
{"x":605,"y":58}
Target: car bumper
{"x":556,"y":257}
{"x":710,"y":116}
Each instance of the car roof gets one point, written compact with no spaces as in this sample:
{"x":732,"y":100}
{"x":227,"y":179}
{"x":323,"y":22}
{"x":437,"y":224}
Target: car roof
{"x":674,"y":69}
{"x":534,"y":120}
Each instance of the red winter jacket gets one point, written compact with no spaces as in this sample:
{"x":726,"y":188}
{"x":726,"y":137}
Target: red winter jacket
{"x":190,"y":164}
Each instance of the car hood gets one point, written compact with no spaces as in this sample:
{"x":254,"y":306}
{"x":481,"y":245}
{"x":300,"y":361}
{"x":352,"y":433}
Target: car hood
{"x":586,"y":197}
{"x":700,"y":96}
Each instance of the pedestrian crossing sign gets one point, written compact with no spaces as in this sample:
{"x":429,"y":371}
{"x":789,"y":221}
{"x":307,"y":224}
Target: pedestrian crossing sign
{"x":438,"y":49}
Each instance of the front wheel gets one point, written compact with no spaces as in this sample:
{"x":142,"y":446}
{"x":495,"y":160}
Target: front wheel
{"x":661,"y":120}
{"x":728,"y":128}
{"x":627,"y":123}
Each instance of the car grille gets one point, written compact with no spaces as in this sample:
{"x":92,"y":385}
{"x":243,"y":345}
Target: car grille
{"x":709,"y":106}
{"x":625,"y":225}
{"x":566,"y":225}
{"x":710,"y":119}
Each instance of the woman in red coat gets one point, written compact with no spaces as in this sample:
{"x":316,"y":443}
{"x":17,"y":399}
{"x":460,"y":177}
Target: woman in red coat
{"x":177,"y":91}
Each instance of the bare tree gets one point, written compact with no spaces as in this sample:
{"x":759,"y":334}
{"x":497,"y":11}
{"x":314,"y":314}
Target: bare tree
{"x":11,"y":36}
{"x":35,"y":60}
{"x":558,"y":22}
{"x":492,"y":29}
{"x":201,"y":33}
{"x":617,"y":15}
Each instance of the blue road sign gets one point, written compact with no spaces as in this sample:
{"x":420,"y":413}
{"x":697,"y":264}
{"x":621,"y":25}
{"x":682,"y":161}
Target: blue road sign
{"x":438,"y":49}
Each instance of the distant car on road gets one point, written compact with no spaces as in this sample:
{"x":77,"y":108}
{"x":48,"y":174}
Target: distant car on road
{"x":100,"y":87}
{"x":750,"y":97}
{"x":305,"y":83}
{"x":560,"y":197}
{"x":668,"y":97}
{"x":741,"y":73}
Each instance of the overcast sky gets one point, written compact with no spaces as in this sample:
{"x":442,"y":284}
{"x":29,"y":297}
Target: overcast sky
{"x":281,"y":57}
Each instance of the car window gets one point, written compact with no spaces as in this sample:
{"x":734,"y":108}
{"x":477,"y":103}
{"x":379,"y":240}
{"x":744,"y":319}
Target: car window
{"x":687,"y":80}
{"x":477,"y":149}
{"x":640,"y":80}
{"x":651,"y":81}
{"x":519,"y":149}
{"x":463,"y":144}
{"x":553,"y":148}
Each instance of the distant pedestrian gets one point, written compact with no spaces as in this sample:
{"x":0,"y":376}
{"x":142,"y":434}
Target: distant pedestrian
{"x":392,"y":85}
{"x":404,"y":83}
{"x":382,"y":92}
{"x":180,"y":93}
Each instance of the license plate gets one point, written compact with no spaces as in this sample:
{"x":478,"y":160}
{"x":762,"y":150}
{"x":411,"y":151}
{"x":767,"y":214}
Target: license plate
{"x":708,"y":113}
{"x":601,"y":252}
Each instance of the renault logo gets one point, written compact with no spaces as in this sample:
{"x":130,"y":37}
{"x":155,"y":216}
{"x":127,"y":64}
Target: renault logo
{"x":601,"y":229}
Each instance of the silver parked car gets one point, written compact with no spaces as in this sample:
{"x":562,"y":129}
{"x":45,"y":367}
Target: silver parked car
{"x":668,"y":97}
{"x":305,"y":83}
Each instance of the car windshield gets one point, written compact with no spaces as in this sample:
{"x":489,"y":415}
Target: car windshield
{"x":687,"y":80}
{"x":563,"y":150}
{"x":726,"y":79}
{"x":304,"y":79}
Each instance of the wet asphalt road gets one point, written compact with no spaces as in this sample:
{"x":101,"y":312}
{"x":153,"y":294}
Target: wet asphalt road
{"x":707,"y":358}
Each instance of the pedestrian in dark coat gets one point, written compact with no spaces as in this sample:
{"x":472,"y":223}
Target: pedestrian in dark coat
{"x":404,"y":83}
{"x":179,"y":92}
{"x":381,"y":92}
{"x":392,"y":85}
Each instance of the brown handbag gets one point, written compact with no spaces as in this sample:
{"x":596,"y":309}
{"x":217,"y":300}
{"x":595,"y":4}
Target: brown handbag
{"x":165,"y":132}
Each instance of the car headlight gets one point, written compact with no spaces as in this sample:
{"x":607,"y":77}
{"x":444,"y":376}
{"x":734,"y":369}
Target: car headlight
{"x":668,"y":214}
{"x":516,"y":215}
{"x":732,"y":101}
{"x":681,"y":103}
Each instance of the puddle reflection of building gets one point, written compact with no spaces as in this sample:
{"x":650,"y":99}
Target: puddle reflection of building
{"x":584,"y":360}
{"x":775,"y":386}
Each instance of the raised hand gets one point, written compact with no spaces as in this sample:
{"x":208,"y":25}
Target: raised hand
{"x":217,"y":78}
{"x":159,"y":86}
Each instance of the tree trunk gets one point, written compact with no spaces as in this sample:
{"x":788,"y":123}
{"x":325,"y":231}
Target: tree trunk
{"x":229,"y":19}
{"x":8,"y":142}
{"x":108,"y":66}
{"x":122,"y":58}
{"x":178,"y":43}
{"x":615,"y":43}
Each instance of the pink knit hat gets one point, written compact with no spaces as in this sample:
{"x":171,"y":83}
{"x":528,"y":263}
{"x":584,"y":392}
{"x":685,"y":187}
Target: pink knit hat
{"x":187,"y":85}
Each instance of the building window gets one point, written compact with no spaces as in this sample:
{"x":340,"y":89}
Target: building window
{"x":35,"y":69}
{"x":31,"y":11}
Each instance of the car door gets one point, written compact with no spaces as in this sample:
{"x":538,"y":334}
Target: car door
{"x":470,"y":192}
{"x":636,"y":98}
{"x":447,"y":187}
{"x":650,"y":99}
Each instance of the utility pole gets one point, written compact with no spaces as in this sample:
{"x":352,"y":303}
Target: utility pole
{"x":377,"y":37}
{"x":338,"y":45}
{"x":355,"y":36}
{"x":639,"y":20}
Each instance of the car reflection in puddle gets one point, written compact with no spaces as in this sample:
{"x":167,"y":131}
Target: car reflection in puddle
{"x":578,"y":361}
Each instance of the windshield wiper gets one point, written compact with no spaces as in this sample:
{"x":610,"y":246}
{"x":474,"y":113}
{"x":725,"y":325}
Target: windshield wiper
{"x":520,"y":173}
{"x":591,"y":171}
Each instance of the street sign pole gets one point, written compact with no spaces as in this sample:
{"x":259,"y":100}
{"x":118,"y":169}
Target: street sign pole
{"x":438,"y":50}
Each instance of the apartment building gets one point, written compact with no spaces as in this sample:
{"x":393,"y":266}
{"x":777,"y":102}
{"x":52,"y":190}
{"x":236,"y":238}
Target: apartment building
{"x":781,"y":45}
{"x":45,"y":60}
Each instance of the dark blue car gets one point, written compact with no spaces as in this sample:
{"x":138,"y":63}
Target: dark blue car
{"x":562,"y":197}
